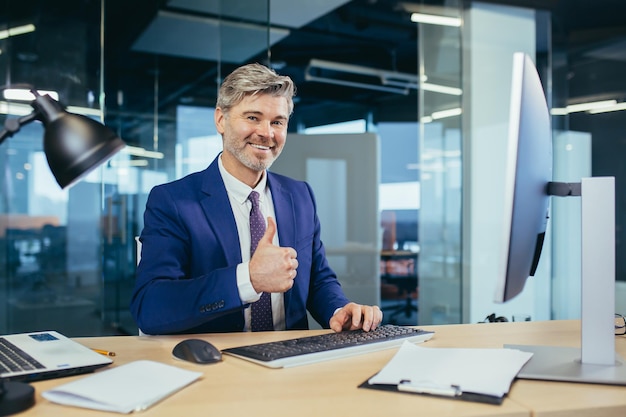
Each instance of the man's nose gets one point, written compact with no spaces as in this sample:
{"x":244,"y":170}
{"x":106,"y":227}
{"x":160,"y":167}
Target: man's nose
{"x":265,"y":129}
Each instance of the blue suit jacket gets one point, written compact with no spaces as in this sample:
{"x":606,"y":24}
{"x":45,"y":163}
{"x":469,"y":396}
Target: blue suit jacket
{"x":186,"y":279}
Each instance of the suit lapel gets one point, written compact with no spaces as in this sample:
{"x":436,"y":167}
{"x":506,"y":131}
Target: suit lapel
{"x":285,"y":212}
{"x":219,"y":213}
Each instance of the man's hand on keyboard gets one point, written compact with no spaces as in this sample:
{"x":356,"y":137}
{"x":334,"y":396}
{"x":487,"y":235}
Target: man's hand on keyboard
{"x":354,"y":316}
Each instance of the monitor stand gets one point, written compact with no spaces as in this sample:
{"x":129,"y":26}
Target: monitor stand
{"x":595,"y":361}
{"x":564,"y":364}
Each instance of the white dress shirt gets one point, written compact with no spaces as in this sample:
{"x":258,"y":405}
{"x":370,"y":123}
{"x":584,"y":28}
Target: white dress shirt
{"x":238,"y":193}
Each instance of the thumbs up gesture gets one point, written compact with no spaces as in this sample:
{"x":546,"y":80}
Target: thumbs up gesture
{"x":272,"y":268}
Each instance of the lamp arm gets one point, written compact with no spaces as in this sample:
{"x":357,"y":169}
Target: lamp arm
{"x":12,"y":126}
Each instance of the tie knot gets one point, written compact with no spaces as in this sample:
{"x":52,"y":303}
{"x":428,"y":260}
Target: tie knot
{"x":254,"y":198}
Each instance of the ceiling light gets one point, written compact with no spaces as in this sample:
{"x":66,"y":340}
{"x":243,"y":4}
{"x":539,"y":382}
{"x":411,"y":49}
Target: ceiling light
{"x":19,"y":109}
{"x":558,"y":111}
{"x":457,"y":111}
{"x":371,"y":78}
{"x":588,"y":106}
{"x":442,"y":89}
{"x":572,"y":108}
{"x":87,"y":111}
{"x":435,"y":19}
{"x":381,"y":80}
{"x":16,"y":109}
{"x":446,"y":113}
{"x":17,"y":30}
{"x":23,"y":94}
{"x":309,"y":77}
{"x":615,"y":107}
{"x":131,"y":163}
{"x":138,"y":151}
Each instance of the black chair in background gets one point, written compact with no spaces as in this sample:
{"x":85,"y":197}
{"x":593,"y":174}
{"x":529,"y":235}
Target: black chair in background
{"x":398,"y":260}
{"x":399,"y":271}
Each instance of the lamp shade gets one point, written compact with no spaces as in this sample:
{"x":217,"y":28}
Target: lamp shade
{"x":74,"y":144}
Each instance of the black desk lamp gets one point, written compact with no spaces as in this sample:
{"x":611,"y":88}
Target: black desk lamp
{"x":74,"y":146}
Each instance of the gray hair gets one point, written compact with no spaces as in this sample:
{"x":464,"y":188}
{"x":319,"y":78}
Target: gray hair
{"x":252,"y":79}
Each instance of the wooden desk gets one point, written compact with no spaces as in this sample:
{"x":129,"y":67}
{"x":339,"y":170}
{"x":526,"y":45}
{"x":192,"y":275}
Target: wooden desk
{"x":235,"y":387}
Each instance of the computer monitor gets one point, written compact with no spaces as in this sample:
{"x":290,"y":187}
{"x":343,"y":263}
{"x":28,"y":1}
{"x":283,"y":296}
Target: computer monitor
{"x":529,"y":188}
{"x":528,"y":172}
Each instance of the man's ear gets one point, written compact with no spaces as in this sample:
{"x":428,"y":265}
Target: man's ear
{"x":219,"y":117}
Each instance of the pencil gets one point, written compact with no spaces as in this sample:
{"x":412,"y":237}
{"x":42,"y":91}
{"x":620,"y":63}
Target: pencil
{"x":104,"y":352}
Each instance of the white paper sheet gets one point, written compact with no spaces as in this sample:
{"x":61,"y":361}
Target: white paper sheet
{"x":479,"y":371}
{"x":131,"y":387}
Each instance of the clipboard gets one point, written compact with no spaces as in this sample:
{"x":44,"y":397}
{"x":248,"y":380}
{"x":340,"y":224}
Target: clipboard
{"x":453,"y":393}
{"x":479,"y":375}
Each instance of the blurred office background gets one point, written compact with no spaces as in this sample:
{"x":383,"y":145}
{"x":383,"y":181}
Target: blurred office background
{"x":399,"y":125}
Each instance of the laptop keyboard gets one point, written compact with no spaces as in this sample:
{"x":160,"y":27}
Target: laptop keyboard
{"x":14,"y":359}
{"x":300,"y":351}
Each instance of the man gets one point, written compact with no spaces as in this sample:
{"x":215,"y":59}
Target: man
{"x":198,"y":271}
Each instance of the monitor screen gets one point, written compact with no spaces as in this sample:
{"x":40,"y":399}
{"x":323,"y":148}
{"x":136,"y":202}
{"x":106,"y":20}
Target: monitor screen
{"x":528,"y":172}
{"x":528,"y":189}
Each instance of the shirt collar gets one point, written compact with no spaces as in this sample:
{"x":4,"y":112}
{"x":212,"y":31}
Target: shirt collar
{"x":237,"y":189}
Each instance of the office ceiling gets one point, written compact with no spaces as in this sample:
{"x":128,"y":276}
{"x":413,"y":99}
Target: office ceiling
{"x":181,"y":40}
{"x":185,"y":38}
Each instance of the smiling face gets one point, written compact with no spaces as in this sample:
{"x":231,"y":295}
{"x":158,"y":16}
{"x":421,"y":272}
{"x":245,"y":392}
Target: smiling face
{"x":253,"y":133}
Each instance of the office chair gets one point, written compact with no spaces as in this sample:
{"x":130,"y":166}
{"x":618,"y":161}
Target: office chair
{"x":409,"y":306}
{"x":401,"y":272}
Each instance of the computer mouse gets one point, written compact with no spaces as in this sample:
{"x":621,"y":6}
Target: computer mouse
{"x":197,"y":351}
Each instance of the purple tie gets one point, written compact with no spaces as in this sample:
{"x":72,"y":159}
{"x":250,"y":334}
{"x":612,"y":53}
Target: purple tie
{"x":262,"y":309}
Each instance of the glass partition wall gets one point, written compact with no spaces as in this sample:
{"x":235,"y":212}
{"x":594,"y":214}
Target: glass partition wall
{"x":487,"y":73}
{"x":441,"y":168}
{"x":51,"y":239}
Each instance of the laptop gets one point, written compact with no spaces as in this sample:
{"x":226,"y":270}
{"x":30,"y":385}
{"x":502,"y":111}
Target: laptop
{"x":43,"y":355}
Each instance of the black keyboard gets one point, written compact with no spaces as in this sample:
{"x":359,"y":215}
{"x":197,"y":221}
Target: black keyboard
{"x":305,"y":350}
{"x":14,"y":359}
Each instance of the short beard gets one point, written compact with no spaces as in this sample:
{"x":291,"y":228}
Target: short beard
{"x":254,"y":164}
